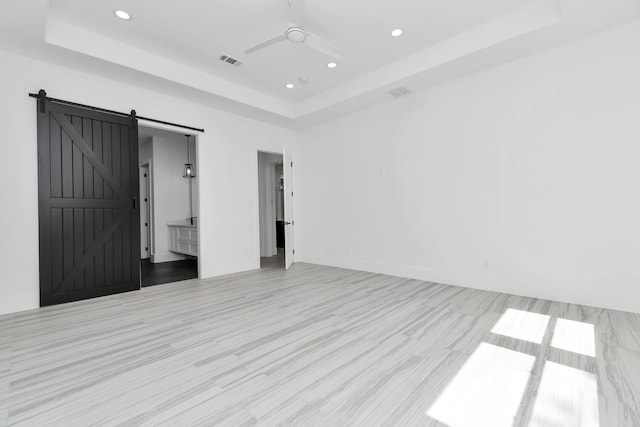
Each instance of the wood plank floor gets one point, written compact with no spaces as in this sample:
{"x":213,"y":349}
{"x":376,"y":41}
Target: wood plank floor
{"x":319,"y":346}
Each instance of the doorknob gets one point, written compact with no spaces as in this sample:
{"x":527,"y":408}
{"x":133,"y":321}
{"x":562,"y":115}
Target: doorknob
{"x":287,"y":223}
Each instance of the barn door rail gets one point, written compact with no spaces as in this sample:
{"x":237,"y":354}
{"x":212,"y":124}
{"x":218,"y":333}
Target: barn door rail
{"x":42,"y":96}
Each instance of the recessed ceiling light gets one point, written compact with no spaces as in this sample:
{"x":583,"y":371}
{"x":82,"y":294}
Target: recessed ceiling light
{"x":289,"y":86}
{"x":122,"y":15}
{"x":332,"y":65}
{"x":396,"y":33}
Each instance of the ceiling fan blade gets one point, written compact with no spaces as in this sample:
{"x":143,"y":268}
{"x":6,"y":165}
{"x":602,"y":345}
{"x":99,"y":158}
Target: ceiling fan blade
{"x":273,"y":40}
{"x":297,"y":11}
{"x":322,"y":46}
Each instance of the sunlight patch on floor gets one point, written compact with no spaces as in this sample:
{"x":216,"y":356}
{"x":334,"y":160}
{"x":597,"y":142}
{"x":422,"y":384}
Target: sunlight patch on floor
{"x":567,"y":397}
{"x":486,"y":391}
{"x":489,"y":388}
{"x":522,"y":325}
{"x":577,"y":337}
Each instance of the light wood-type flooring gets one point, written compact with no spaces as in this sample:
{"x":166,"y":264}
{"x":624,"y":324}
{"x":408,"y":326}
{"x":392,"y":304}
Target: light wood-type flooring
{"x":319,"y":346}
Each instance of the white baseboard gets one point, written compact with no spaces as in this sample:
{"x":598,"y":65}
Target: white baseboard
{"x":224,"y":270}
{"x":18,"y":302}
{"x":526,"y":287}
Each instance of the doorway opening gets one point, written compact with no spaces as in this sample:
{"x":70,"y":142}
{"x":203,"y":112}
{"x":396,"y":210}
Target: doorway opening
{"x":275,"y":210}
{"x":170,"y":206}
{"x":271,"y":206}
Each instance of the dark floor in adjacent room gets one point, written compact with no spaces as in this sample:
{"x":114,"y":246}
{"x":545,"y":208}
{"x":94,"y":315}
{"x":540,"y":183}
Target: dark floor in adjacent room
{"x":276,"y":261}
{"x":167,"y":272}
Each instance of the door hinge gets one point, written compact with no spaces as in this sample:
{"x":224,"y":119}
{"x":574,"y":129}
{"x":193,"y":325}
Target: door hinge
{"x":292,"y":194}
{"x":291,"y":164}
{"x":294,"y":251}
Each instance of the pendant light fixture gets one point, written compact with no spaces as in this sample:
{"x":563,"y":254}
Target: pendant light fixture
{"x":189,"y":172}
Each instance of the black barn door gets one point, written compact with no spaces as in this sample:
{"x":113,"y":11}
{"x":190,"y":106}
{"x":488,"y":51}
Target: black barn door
{"x":88,"y":189}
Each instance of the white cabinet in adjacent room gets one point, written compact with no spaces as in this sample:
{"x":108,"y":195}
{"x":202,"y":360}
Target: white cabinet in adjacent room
{"x":183,"y":239}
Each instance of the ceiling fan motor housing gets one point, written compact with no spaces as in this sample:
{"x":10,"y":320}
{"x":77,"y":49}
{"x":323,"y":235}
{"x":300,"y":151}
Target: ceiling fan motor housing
{"x":296,"y":34}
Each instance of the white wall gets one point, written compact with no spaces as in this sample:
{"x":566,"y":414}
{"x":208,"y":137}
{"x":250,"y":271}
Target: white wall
{"x":523,"y":179}
{"x":145,"y":151}
{"x":228,"y":223}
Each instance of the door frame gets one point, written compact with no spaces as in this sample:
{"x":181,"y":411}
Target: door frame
{"x":146,"y":208}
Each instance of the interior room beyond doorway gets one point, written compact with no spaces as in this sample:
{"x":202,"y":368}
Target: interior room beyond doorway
{"x":169,"y":206}
{"x":271,"y":205}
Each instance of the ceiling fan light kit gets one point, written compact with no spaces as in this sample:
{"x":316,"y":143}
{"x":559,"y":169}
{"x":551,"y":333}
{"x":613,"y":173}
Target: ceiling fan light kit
{"x":297,"y":33}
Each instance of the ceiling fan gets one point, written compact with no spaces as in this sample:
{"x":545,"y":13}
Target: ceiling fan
{"x":297,"y":33}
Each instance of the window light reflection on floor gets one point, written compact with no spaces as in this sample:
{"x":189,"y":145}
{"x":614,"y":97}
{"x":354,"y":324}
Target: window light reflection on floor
{"x":486,"y":391}
{"x":567,"y":397}
{"x":577,"y":337}
{"x":489,"y":388}
{"x":522,"y":325}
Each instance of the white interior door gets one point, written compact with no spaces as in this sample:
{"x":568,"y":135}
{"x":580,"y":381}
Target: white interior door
{"x":288,"y":209}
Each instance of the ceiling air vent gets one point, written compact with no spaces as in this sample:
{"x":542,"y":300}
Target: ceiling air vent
{"x":399,"y":91}
{"x":230,"y":60}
